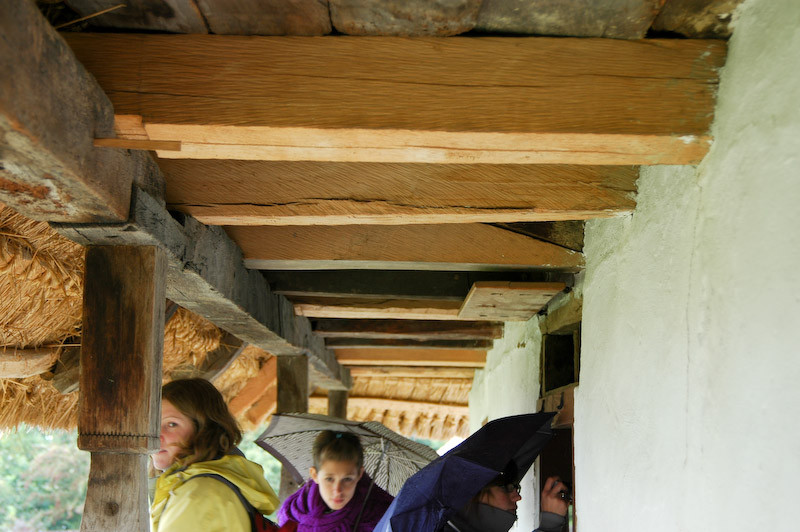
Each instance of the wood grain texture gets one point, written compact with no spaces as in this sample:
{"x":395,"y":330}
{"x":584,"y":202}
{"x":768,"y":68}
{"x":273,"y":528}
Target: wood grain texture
{"x":312,"y":193}
{"x":386,"y":99}
{"x":398,"y":247}
{"x":266,"y":17}
{"x":337,"y":403}
{"x":116,"y":495}
{"x":354,"y":308}
{"x":507,"y":301}
{"x":22,"y":363}
{"x":50,"y":110}
{"x":256,"y":388}
{"x":618,"y":19}
{"x":465,"y":358}
{"x":408,"y":329}
{"x":121,"y":349}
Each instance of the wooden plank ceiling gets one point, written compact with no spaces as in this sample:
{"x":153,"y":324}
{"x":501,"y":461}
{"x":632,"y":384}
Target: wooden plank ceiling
{"x":376,"y":180}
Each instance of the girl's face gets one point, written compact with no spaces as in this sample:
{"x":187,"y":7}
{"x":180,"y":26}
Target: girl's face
{"x":177,"y":430}
{"x":337,"y":482}
{"x":502,"y":497}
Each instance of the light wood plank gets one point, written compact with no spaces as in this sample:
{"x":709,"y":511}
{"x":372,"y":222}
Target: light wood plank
{"x":354,"y":308}
{"x":367,"y":372}
{"x":531,"y":102}
{"x":121,"y":349}
{"x":465,"y":358}
{"x":317,"y":403}
{"x":312,"y":193}
{"x":206,"y":275}
{"x":22,"y":363}
{"x":408,"y":329}
{"x":507,"y":301}
{"x":421,"y":372}
{"x":415,"y":247}
{"x":256,"y":388}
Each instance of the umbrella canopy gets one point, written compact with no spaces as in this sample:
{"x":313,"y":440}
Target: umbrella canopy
{"x":506,"y":446}
{"x":389,"y":458}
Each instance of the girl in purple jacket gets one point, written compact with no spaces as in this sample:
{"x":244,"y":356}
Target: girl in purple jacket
{"x":339,"y":497}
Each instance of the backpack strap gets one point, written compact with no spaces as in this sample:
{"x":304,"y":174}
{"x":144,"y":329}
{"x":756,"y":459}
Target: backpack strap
{"x":249,"y":508}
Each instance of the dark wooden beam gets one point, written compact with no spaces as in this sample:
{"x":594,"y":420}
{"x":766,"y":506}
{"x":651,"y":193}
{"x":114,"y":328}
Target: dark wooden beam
{"x":51,"y":109}
{"x":206,"y":275}
{"x":370,"y":343}
{"x":532,"y":103}
{"x":337,"y":403}
{"x":292,"y":397}
{"x":398,"y":284}
{"x":399,"y":247}
{"x":568,"y":234}
{"x":408,"y":329}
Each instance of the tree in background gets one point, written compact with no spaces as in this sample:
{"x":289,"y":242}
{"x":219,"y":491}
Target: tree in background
{"x":43,"y":479}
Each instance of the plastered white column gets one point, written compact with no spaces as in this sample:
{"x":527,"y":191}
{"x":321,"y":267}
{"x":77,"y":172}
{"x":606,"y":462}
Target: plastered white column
{"x":686,"y":414}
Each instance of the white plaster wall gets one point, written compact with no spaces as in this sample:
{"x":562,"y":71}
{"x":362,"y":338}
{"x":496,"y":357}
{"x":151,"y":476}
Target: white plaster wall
{"x":687,"y":414}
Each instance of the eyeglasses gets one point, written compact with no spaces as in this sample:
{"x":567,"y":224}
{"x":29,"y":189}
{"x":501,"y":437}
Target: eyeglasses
{"x":511,"y":488}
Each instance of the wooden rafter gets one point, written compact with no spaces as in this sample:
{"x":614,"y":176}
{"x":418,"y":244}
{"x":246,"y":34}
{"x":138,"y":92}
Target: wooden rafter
{"x":537,"y":100}
{"x":409,"y":329}
{"x":313,"y":193}
{"x":399,"y":247}
{"x":377,"y":403}
{"x":465,"y":358}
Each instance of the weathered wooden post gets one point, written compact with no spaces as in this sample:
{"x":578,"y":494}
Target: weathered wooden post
{"x":120,"y":383}
{"x":292,"y":397}
{"x":337,"y":403}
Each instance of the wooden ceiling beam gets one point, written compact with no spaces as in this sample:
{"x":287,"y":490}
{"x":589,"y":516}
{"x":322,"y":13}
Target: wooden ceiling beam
{"x":463,"y":358}
{"x":313,"y":193}
{"x":355,"y":308}
{"x":371,"y":343}
{"x":536,"y":100}
{"x":408,"y":329}
{"x":399,"y":247}
{"x":359,"y":372}
{"x":50,"y":110}
{"x":402,"y":284}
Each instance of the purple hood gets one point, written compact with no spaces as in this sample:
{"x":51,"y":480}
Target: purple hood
{"x":307,"y":508}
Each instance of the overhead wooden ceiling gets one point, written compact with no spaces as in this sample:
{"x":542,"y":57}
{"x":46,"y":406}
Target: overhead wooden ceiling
{"x":404,"y":197}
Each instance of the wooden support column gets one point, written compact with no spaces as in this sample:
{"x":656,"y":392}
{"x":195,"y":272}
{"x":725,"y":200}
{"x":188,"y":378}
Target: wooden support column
{"x":292,"y":397}
{"x":120,"y":383}
{"x":337,"y":403}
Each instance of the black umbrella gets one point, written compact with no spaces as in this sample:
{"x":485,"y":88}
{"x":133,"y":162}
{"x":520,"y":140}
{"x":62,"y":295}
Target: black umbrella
{"x":507,"y":446}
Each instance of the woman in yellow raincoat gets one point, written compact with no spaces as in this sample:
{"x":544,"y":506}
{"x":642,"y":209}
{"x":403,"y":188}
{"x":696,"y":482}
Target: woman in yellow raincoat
{"x":198,"y":445}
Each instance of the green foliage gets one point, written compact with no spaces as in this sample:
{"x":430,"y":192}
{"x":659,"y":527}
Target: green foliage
{"x":43,"y":479}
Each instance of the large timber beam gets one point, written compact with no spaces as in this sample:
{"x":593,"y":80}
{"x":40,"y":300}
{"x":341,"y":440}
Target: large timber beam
{"x":403,"y":284}
{"x":50,"y":110}
{"x":489,"y":100}
{"x":314,"y":193}
{"x":206,"y":275}
{"x":399,"y":247}
{"x":408,"y":329}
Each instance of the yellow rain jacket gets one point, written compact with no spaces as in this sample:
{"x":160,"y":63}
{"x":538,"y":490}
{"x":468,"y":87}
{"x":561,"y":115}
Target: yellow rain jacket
{"x":208,"y":504}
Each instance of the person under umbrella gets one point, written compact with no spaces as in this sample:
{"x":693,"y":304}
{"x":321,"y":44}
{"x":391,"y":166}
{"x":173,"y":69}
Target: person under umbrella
{"x":339,"y":497}
{"x":474,"y":486}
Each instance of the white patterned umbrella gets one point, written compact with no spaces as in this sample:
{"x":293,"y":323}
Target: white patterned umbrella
{"x":389,"y":458}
